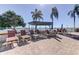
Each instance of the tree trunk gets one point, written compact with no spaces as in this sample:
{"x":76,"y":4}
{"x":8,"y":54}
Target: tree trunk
{"x":35,"y":27}
{"x":52,"y":24}
{"x":74,"y":23}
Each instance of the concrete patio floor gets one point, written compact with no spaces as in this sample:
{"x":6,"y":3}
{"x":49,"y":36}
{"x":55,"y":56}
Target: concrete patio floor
{"x":67,"y":46}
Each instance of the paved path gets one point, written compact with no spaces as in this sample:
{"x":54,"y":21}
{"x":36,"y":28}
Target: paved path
{"x":76,"y":33}
{"x":67,"y":46}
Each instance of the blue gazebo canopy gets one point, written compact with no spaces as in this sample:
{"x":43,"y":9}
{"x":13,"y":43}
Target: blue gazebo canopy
{"x":40,"y":23}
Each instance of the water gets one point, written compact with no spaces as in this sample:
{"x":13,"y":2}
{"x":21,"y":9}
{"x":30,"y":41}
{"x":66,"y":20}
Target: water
{"x":18,"y":29}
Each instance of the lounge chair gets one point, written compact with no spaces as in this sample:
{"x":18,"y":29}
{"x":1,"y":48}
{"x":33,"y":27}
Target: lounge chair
{"x":62,"y":31}
{"x":53,"y":33}
{"x":49,"y":34}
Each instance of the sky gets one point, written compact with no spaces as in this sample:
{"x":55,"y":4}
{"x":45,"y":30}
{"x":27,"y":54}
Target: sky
{"x":25,"y":11}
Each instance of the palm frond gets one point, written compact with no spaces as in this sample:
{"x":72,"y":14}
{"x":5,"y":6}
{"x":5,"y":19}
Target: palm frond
{"x":71,"y":13}
{"x":76,"y":9}
{"x":41,"y":17}
{"x":54,"y":12}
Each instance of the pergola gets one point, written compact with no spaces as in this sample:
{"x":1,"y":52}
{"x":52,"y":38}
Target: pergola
{"x":40,"y":23}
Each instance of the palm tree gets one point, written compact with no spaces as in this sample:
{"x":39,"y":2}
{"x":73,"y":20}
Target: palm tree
{"x":73,"y":13}
{"x":37,"y":15}
{"x":53,"y":14}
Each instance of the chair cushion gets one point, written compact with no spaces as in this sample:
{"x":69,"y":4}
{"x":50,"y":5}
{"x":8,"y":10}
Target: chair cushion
{"x":10,"y":39}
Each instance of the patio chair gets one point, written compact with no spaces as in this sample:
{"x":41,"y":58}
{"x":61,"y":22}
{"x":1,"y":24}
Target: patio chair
{"x":53,"y":33}
{"x":35,"y":35}
{"x":15,"y":30}
{"x":25,"y":36}
{"x":31,"y":32}
{"x":45,"y":33}
{"x":50,"y":34}
{"x":62,"y":31}
{"x":11,"y":39}
{"x":37,"y":31}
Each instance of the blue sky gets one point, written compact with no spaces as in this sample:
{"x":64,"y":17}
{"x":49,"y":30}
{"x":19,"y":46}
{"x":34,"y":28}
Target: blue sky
{"x":25,"y":11}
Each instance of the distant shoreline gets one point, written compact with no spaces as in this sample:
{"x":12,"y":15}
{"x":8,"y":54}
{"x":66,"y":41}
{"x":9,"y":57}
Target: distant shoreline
{"x":5,"y":31}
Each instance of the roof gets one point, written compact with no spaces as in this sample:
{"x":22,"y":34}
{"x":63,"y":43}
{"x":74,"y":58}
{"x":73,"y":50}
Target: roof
{"x":40,"y":23}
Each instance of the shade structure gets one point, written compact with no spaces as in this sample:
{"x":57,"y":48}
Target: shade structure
{"x":40,"y":23}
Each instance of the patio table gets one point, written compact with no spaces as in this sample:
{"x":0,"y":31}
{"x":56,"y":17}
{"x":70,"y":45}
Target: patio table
{"x":36,"y":36}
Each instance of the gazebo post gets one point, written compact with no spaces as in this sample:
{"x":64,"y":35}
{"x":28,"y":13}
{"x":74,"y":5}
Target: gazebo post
{"x":45,"y":26}
{"x":29,"y":27}
{"x":35,"y":27}
{"x":49,"y":26}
